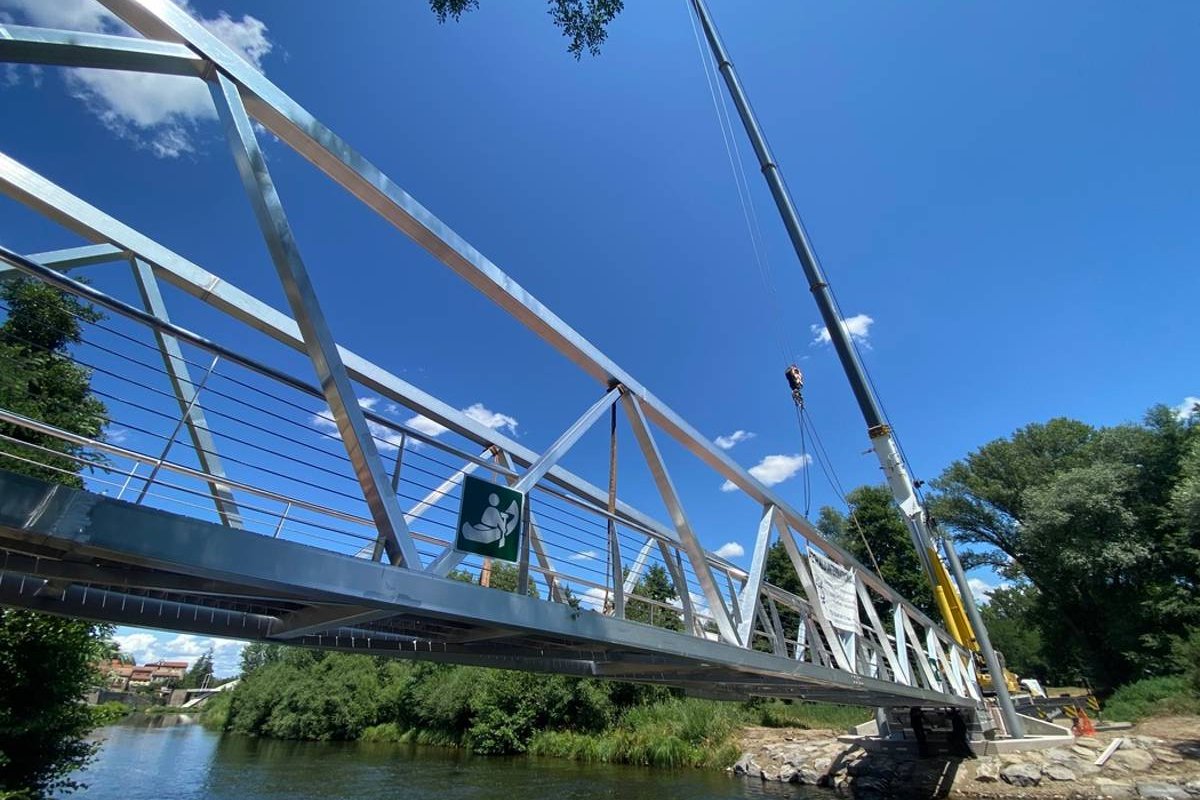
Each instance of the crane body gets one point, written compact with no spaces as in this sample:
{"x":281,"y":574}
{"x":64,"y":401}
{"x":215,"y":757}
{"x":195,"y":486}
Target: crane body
{"x":962,"y":619}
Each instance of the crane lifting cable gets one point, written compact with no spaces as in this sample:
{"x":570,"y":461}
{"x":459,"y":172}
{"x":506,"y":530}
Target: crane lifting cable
{"x":795,"y":379}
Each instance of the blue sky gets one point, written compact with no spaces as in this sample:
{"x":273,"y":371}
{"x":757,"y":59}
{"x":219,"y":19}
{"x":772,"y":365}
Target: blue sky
{"x":1007,"y":192}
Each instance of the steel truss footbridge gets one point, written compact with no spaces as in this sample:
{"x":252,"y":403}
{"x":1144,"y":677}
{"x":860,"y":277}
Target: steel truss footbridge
{"x":236,"y":510}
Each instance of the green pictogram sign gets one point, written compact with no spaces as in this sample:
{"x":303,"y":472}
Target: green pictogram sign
{"x":489,"y":520}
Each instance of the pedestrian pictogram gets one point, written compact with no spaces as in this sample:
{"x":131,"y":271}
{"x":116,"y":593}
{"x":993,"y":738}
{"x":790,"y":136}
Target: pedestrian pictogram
{"x":489,"y":520}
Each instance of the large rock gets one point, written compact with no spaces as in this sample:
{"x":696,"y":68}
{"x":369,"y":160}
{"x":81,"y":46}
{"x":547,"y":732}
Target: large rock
{"x":1022,"y":774}
{"x":1133,"y":760}
{"x":1089,"y":741}
{"x":1058,"y":772}
{"x":1162,"y":791}
{"x":1083,"y":752}
{"x":807,"y":775}
{"x":1117,"y":790}
{"x":742,"y":765}
{"x":787,"y":774}
{"x":1167,"y":756}
{"x":1060,"y":755}
{"x":988,"y":770}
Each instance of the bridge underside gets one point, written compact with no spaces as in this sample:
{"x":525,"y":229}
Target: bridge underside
{"x":71,"y":552}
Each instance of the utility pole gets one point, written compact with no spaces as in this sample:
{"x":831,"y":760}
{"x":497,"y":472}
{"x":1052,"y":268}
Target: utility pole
{"x":883,"y":442}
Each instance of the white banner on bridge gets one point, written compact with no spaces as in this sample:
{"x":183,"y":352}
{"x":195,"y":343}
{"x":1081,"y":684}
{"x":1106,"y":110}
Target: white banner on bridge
{"x":835,"y":587}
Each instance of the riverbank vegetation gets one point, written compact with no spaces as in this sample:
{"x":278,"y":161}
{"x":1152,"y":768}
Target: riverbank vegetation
{"x":45,"y":662}
{"x":290,"y":693}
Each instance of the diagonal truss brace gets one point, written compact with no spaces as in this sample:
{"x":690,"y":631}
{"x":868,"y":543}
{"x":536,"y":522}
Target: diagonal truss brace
{"x":800,"y":564}
{"x":687,"y":536}
{"x":754,"y":581}
{"x":319,"y":342}
{"x":185,"y":393}
{"x":565,"y":442}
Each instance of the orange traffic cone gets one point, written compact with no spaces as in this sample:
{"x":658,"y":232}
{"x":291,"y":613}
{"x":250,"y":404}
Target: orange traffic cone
{"x":1083,"y":726}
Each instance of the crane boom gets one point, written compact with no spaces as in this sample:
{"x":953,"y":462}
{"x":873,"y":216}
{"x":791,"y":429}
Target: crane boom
{"x":962,"y":619}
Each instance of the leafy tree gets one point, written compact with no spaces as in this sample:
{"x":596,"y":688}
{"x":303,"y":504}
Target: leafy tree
{"x":656,"y":584}
{"x":257,"y":655}
{"x":873,"y":516}
{"x":39,"y":380}
{"x":1007,"y":615}
{"x":45,"y":662}
{"x":504,"y":577}
{"x":583,"y":22}
{"x":201,"y":671}
{"x":1096,"y":520}
{"x":46,"y":666}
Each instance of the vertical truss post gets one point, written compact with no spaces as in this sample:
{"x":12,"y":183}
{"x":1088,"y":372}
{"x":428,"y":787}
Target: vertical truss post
{"x":877,"y":625}
{"x":777,"y":626}
{"x":614,"y":542}
{"x":932,"y":681}
{"x":905,"y":666}
{"x":734,"y":608}
{"x":523,"y":557}
{"x":687,"y":537}
{"x":185,"y":395}
{"x":399,"y":463}
{"x":318,"y":340}
{"x":754,"y":581}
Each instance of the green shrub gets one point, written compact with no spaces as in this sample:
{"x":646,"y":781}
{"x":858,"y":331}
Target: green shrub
{"x":1167,"y":695}
{"x":110,"y":712}
{"x":804,"y":714}
{"x":214,"y":713}
{"x":1187,"y":656}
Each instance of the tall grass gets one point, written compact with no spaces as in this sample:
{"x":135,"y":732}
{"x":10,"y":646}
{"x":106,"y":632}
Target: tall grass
{"x":802,"y":714}
{"x":672,"y":733}
{"x":1152,"y":697}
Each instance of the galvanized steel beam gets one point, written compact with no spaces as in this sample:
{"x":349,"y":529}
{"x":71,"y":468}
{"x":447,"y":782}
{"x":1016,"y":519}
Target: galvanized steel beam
{"x":185,"y":394}
{"x":318,"y":340}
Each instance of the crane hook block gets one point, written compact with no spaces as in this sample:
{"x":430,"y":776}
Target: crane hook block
{"x":795,"y":379}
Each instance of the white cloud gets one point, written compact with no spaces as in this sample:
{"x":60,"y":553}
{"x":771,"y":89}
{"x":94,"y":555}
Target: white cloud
{"x":731,"y":550}
{"x":774,"y":470}
{"x":728,"y":442}
{"x":583,"y":555}
{"x":1187,"y":408}
{"x":423,"y":424}
{"x":983,"y":590}
{"x":593,"y":599}
{"x":389,"y":440}
{"x":116,"y":435}
{"x":858,"y":326}
{"x":491,"y":419}
{"x":141,"y":646}
{"x":146,"y":647}
{"x":158,"y":113}
{"x":386,"y":439}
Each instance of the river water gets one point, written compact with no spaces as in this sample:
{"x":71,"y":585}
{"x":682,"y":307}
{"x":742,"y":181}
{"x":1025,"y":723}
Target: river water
{"x":148,"y":758}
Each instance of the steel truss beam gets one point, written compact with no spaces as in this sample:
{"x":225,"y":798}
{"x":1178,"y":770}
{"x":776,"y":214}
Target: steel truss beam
{"x":687,"y":536}
{"x":91,"y":526}
{"x":185,"y":394}
{"x":350,"y":169}
{"x":360,"y":446}
{"x":191,"y":49}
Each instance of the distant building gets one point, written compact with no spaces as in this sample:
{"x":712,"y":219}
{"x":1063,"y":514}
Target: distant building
{"x":123,"y":676}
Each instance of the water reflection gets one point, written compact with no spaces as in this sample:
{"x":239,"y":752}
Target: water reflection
{"x":154,"y":757}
